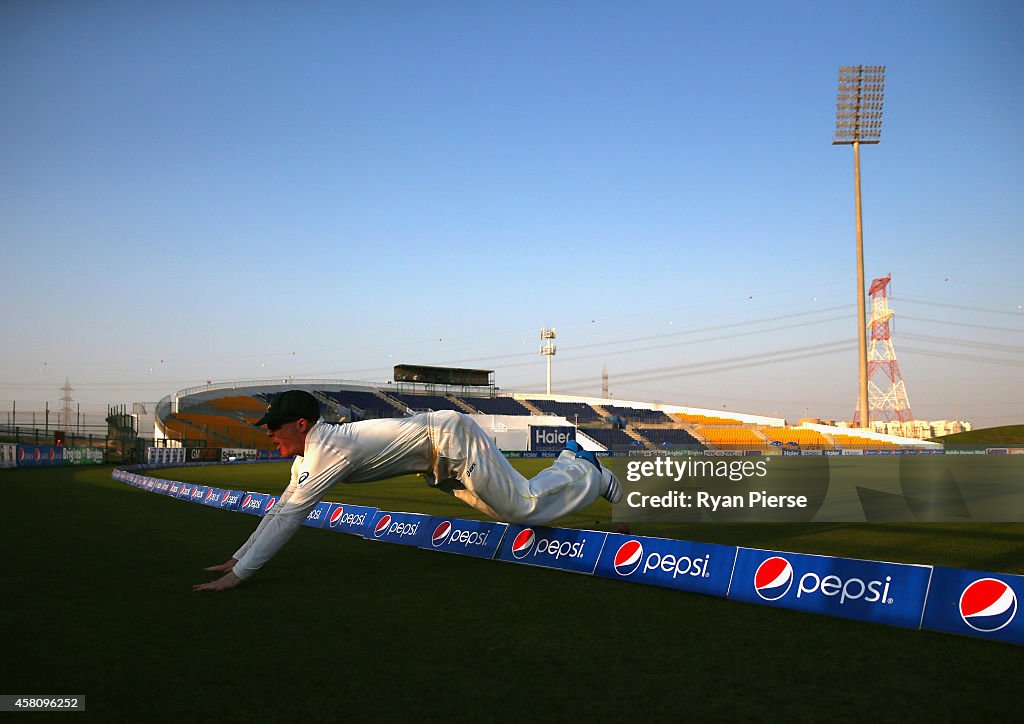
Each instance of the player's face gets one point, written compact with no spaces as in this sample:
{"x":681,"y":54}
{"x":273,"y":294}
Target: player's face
{"x":290,"y":437}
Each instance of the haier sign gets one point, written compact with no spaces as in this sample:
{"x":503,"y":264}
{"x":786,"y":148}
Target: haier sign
{"x":550,"y":438}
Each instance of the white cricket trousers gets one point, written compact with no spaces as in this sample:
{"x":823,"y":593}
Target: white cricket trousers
{"x":491,"y":485}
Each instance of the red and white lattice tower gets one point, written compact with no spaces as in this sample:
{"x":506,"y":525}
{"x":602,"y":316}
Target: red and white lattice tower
{"x":887,"y":395}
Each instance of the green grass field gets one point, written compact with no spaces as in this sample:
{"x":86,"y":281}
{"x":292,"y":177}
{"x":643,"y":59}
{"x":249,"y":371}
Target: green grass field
{"x":1005,"y":435}
{"x":98,"y":601}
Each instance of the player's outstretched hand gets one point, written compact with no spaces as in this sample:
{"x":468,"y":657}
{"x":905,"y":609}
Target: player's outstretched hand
{"x":228,"y":580}
{"x":223,"y":567}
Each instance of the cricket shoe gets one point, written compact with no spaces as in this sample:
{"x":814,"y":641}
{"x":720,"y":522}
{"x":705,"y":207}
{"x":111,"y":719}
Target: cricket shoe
{"x":573,"y":447}
{"x":589,"y":456}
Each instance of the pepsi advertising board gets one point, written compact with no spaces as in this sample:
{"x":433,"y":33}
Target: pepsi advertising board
{"x":253,"y":503}
{"x":351,"y":519}
{"x":465,"y":537}
{"x":212,"y":497}
{"x":550,"y":438}
{"x":317,"y":516}
{"x":696,"y":567}
{"x":407,"y":529}
{"x":231,"y":499}
{"x":889,"y":593}
{"x":974,"y":603}
{"x":561,"y":548}
{"x":38,"y":455}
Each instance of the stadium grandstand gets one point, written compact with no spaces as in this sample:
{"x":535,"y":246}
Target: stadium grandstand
{"x":638,"y":415}
{"x":363,"y":404}
{"x":612,"y":438}
{"x":669,"y":436}
{"x":427,"y":403}
{"x":857,"y":441}
{"x":806,"y":439}
{"x":224,"y":415}
{"x":576,"y":412}
{"x":497,"y":405}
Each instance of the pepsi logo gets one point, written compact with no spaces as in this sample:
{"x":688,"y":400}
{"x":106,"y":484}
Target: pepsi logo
{"x":271,"y":502}
{"x":336,"y":516}
{"x":247,"y":502}
{"x":382,"y":525}
{"x":224,"y":498}
{"x":523,"y":543}
{"x":773,"y":578}
{"x":988,"y":605}
{"x":441,"y":533}
{"x":628,"y":557}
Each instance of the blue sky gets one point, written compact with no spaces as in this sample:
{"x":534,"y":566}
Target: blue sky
{"x":226,"y":191}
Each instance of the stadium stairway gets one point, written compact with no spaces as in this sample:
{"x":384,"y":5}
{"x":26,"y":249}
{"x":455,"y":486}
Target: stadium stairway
{"x":403,"y":409}
{"x":692,"y":429}
{"x":632,"y":432}
{"x":534,"y":410}
{"x":464,"y":406}
{"x":326,"y":403}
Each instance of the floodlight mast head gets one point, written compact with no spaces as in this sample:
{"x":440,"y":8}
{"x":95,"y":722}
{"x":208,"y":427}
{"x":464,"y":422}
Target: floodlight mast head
{"x":859,"y":104}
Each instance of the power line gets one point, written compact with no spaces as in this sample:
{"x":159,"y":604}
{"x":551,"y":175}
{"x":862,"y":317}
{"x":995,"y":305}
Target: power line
{"x":962,"y":324}
{"x":1012,"y":348}
{"x":633,"y":350}
{"x":727,"y":363}
{"x":963,"y":357}
{"x":930,"y":303}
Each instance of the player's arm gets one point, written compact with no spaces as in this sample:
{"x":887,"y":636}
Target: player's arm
{"x":324,"y":469}
{"x":270,"y":515}
{"x":229,"y":580}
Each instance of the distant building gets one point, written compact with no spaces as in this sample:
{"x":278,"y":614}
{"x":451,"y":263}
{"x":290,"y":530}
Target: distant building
{"x":919,"y":429}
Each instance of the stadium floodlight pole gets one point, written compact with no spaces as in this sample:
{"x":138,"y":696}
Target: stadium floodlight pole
{"x":548,"y":349}
{"x":859,"y":120}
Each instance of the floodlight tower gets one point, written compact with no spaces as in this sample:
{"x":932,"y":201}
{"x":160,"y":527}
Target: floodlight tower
{"x":859,"y":120}
{"x":548,"y":349}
